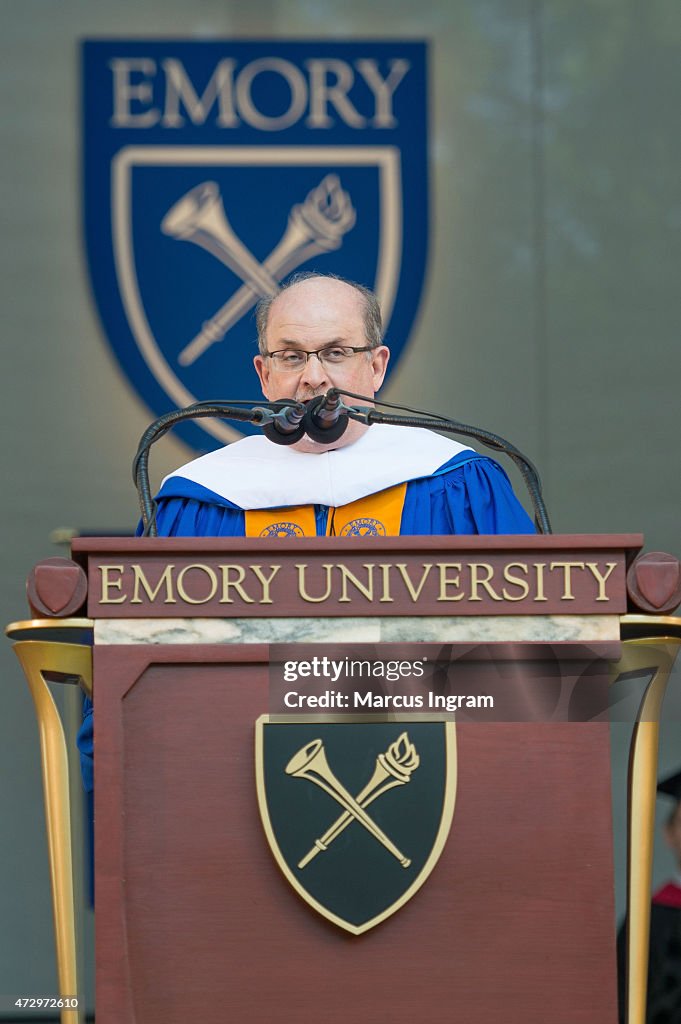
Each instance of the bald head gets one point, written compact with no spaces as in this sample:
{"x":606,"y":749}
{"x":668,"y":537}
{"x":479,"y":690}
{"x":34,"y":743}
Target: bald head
{"x":310,"y":284}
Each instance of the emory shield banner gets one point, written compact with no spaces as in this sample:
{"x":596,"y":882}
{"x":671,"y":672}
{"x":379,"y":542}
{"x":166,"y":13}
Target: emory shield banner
{"x":214,"y":170}
{"x":356,"y":813}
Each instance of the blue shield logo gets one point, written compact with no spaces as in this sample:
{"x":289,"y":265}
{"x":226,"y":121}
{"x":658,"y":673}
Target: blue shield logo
{"x":214,"y":170}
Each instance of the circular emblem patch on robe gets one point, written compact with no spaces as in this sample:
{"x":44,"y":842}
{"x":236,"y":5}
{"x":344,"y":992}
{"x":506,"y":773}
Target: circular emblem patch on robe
{"x":282,"y":530}
{"x":363,"y":527}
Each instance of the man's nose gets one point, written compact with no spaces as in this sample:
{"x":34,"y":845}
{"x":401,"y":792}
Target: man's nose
{"x":314,"y":374}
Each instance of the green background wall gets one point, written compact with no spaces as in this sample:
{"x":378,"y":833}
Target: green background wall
{"x":551,"y":312}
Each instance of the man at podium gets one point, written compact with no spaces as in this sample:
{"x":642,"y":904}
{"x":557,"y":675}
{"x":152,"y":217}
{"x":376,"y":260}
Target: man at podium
{"x":321,"y":332}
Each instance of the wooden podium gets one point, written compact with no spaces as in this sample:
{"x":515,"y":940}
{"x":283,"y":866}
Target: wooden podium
{"x":194,"y":918}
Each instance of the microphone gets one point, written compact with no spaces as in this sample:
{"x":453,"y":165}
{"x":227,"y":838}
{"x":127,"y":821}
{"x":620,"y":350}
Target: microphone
{"x":326,"y":418}
{"x":287,"y":425}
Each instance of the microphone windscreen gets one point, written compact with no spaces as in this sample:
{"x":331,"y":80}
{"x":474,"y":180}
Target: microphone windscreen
{"x":272,"y":433}
{"x":314,"y":425}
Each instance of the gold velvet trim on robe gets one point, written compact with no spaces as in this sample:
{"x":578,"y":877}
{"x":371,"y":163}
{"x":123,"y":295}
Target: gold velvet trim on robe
{"x":375,"y":515}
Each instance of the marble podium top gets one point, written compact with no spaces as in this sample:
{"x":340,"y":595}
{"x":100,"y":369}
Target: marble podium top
{"x":403,"y":629}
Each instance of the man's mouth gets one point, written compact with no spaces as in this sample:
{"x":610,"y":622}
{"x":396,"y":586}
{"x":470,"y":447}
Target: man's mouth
{"x":309,"y":395}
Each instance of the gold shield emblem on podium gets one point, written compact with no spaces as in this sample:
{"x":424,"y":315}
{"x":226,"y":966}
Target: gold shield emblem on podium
{"x":356,"y":813}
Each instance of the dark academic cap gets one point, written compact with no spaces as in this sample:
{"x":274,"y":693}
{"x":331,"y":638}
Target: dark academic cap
{"x":671,"y":786}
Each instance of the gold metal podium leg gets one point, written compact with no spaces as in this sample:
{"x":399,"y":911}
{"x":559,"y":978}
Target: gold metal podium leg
{"x":655,"y":656}
{"x":38,"y":657}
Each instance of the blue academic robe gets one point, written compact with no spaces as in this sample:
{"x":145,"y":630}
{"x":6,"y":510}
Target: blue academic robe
{"x":469,"y":494}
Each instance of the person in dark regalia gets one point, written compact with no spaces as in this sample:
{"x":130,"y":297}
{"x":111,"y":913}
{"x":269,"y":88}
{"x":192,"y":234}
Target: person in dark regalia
{"x":664,"y":964}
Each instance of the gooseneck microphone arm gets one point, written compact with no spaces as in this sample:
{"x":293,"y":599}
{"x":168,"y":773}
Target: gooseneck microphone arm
{"x":324,"y":419}
{"x":369,"y":415}
{"x":283,"y":417}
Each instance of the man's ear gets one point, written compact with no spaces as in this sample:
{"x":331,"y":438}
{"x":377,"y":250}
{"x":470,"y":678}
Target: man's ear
{"x":263,"y":371}
{"x":379,"y":364}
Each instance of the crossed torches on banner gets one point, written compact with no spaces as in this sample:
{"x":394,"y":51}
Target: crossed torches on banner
{"x":315,"y":226}
{"x":393,"y":768}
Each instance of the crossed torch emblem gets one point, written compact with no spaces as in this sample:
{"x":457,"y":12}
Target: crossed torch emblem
{"x":314,"y":226}
{"x":393,"y":768}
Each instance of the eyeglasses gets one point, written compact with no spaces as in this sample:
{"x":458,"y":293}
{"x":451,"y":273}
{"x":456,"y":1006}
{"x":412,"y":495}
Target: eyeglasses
{"x":290,"y":360}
